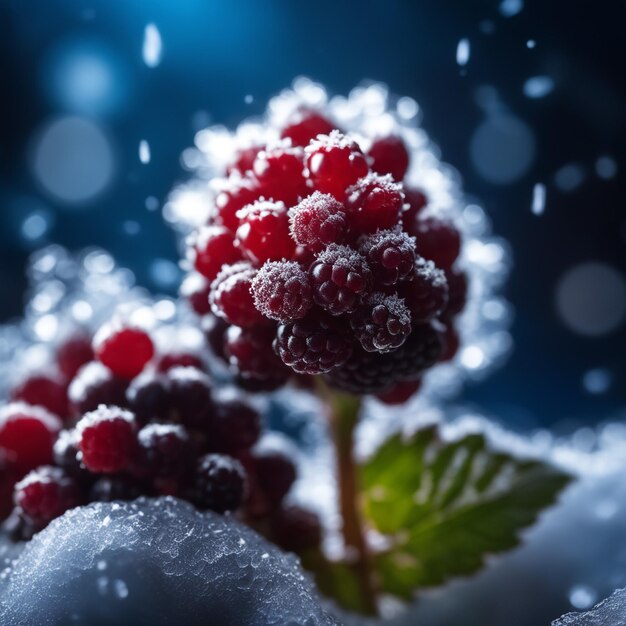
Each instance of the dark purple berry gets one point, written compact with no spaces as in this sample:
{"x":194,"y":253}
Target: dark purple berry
{"x":165,"y":449}
{"x":190,"y":396}
{"x":220,"y":483}
{"x":390,"y":255}
{"x":426,"y":291}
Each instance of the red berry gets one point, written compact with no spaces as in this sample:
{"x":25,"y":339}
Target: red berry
{"x":437,"y":240}
{"x":27,"y":434}
{"x":238,"y":192}
{"x":282,"y":291}
{"x":250,"y":355}
{"x":195,"y":289}
{"x":340,"y":277}
{"x":45,"y":391}
{"x":296,"y":529}
{"x":238,"y":424}
{"x":231,"y":295}
{"x":400,"y":392}
{"x":306,"y":125}
{"x":374,"y":203}
{"x":426,"y":291}
{"x":45,"y":493}
{"x":317,"y":221}
{"x":335,"y":163}
{"x":263,"y":233}
{"x":94,"y":385}
{"x":381,"y":323}
{"x":107,"y":440}
{"x":313,"y":345}
{"x":73,"y":354}
{"x":165,"y":449}
{"x":390,"y":255}
{"x":191,"y":396}
{"x":212,"y":247}
{"x":123,"y":349}
{"x":244,"y":159}
{"x":415,"y":202}
{"x":388,"y":155}
{"x":280,"y":172}
{"x":220,"y":483}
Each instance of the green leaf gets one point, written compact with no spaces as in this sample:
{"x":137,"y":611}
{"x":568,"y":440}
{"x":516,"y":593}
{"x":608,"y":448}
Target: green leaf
{"x":445,"y":505}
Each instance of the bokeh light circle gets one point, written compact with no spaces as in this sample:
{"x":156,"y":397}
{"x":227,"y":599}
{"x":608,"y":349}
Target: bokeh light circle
{"x":73,"y":160}
{"x":591,"y":299}
{"x":502,"y":149}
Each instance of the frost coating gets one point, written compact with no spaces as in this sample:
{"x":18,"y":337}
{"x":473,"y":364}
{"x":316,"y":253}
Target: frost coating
{"x":156,"y":562}
{"x":368,"y":113}
{"x":610,"y":612}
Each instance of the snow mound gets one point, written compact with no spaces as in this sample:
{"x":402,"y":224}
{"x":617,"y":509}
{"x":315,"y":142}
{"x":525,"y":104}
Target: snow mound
{"x":155,"y":562}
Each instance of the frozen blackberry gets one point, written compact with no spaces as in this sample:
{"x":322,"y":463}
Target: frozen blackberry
{"x":381,"y":323}
{"x":65,"y":452}
{"x":296,"y":529}
{"x":43,"y":390}
{"x":110,"y":488}
{"x":306,"y":125}
{"x":371,"y":372}
{"x":210,"y":248}
{"x":191,"y":396}
{"x":231,"y":295}
{"x":94,"y":385}
{"x":374,"y":203}
{"x":170,"y":360}
{"x":390,"y":255}
{"x":335,"y":163}
{"x":317,"y":221}
{"x":274,"y":474}
{"x":282,"y":291}
{"x":426,"y":291}
{"x":314,"y":345}
{"x":388,"y":155}
{"x":107,"y":440}
{"x":340,"y":277}
{"x":400,"y":392}
{"x":263,"y":233}
{"x":148,"y":396}
{"x":220,"y":483}
{"x":252,"y":359}
{"x":457,"y":285}
{"x":125,"y":350}
{"x":237,"y":424}
{"x":45,"y":493}
{"x":165,"y":449}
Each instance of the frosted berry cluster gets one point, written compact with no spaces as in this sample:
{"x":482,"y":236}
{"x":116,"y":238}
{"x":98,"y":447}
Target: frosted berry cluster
{"x":316,"y":259}
{"x":113,"y":418}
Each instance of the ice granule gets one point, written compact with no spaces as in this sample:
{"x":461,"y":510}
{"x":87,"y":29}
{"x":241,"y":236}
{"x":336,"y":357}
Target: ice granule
{"x":166,"y":563}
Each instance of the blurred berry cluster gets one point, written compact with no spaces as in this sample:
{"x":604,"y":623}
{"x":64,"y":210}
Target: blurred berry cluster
{"x":111,"y":419}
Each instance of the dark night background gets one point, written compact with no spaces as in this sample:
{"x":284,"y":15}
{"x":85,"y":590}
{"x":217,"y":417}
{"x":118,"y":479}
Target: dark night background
{"x":215,"y":53}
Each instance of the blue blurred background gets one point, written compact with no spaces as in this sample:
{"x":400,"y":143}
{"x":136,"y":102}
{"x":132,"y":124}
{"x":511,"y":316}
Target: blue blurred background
{"x":100,"y":98}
